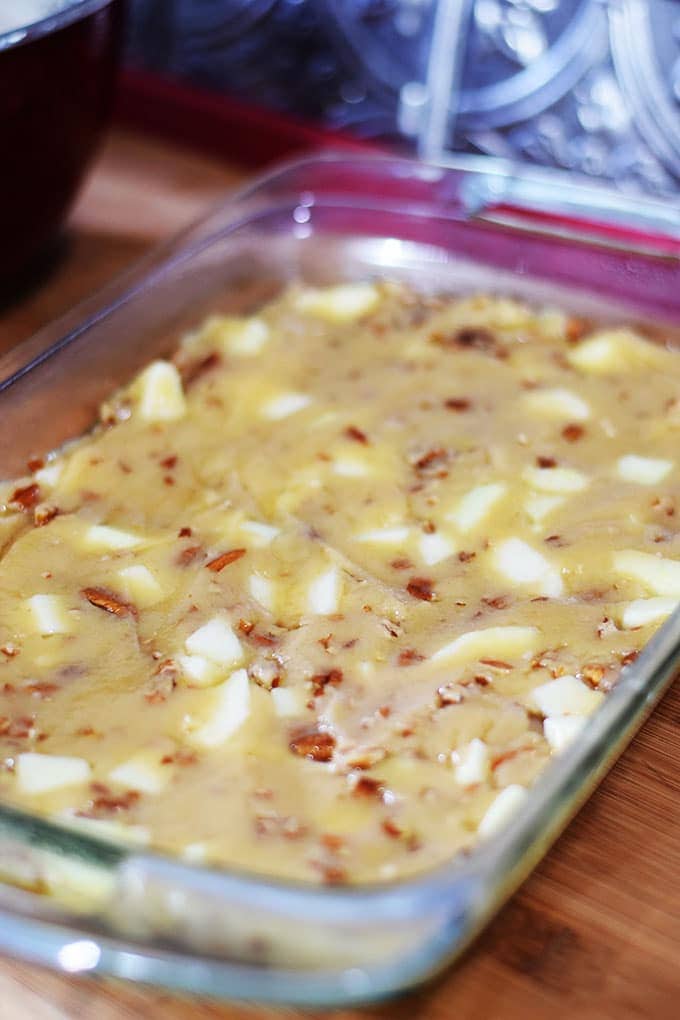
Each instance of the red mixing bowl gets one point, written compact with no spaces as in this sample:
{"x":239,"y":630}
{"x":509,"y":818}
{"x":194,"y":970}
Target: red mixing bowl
{"x":56,"y":85}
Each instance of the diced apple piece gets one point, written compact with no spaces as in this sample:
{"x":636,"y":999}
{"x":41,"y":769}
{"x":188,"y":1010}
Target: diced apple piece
{"x":216,"y":641}
{"x":539,"y":506}
{"x":102,"y":538}
{"x":262,"y":590}
{"x":288,"y":701}
{"x":342,"y":303}
{"x":140,"y":585}
{"x":159,"y":392}
{"x":385,"y":536}
{"x":244,"y":337}
{"x":522,"y":564}
{"x":643,"y":470}
{"x":142,"y":773}
{"x":555,"y":479}
{"x":323,"y":597}
{"x":194,"y":852}
{"x":506,"y":804}
{"x":285,"y":405}
{"x":661,"y":576}
{"x":259,"y":533}
{"x":435,"y":547}
{"x":641,"y":612}
{"x":561,"y":730}
{"x":489,"y":642}
{"x":43,"y":773}
{"x":230,"y":711}
{"x":352,"y":467}
{"x":567,"y":695}
{"x":616,"y":350}
{"x":476,"y":505}
{"x":199,"y":671}
{"x":49,"y":614}
{"x":48,"y":476}
{"x":558,"y":403}
{"x":471,"y":763}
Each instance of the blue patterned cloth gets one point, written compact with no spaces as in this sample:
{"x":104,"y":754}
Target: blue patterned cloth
{"x":589,"y":85}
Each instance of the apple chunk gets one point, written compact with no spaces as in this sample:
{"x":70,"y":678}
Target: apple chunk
{"x":230,"y":710}
{"x":159,"y":393}
{"x":43,"y":773}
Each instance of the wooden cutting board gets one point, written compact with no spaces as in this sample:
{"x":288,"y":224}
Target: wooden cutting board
{"x":595,"y":932}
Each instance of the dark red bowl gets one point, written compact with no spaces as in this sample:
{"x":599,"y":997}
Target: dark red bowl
{"x":56,"y":85}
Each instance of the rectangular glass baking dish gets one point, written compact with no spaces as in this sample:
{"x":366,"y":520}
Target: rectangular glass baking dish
{"x":135,"y":914}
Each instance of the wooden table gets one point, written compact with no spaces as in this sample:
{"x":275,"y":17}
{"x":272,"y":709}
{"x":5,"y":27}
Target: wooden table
{"x":595,"y":932}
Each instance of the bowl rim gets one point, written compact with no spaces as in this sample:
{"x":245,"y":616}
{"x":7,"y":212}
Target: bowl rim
{"x":73,"y":11}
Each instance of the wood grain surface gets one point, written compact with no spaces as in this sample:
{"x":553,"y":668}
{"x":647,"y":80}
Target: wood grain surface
{"x":593,"y":934}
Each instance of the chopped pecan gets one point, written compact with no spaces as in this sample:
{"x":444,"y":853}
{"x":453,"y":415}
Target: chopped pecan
{"x":264,"y":640}
{"x":224,"y":559}
{"x":313,"y":744}
{"x":391,"y":829}
{"x":43,"y":514}
{"x":110,"y":603}
{"x":182,"y":756}
{"x":475,"y":338}
{"x":432,"y":461}
{"x":573,"y":432}
{"x":465,"y":557}
{"x":497,"y":602}
{"x":409,"y":656}
{"x":352,"y":432}
{"x":505,"y":667}
{"x":664,"y":505}
{"x":193,"y":371}
{"x":401,"y":563}
{"x":184,"y":532}
{"x":9,"y":649}
{"x":457,"y":404}
{"x":20,"y":728}
{"x":35,"y":463}
{"x":332,"y":874}
{"x":421,"y":588}
{"x":25,"y":498}
{"x":546,"y":462}
{"x":189,"y":554}
{"x":104,"y":801}
{"x":509,"y":755}
{"x":593,"y":674}
{"x":449,"y":694}
{"x":331,"y":841}
{"x":366,"y":786}
{"x":392,"y":628}
{"x":575,"y":329}
{"x":605,"y":627}
{"x":162,"y":683}
{"x":265,"y":673}
{"x":169,"y":462}
{"x":42,"y":689}
{"x":322,"y":680}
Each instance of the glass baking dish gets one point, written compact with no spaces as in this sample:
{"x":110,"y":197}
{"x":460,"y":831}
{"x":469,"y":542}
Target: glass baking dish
{"x":136,"y":914}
